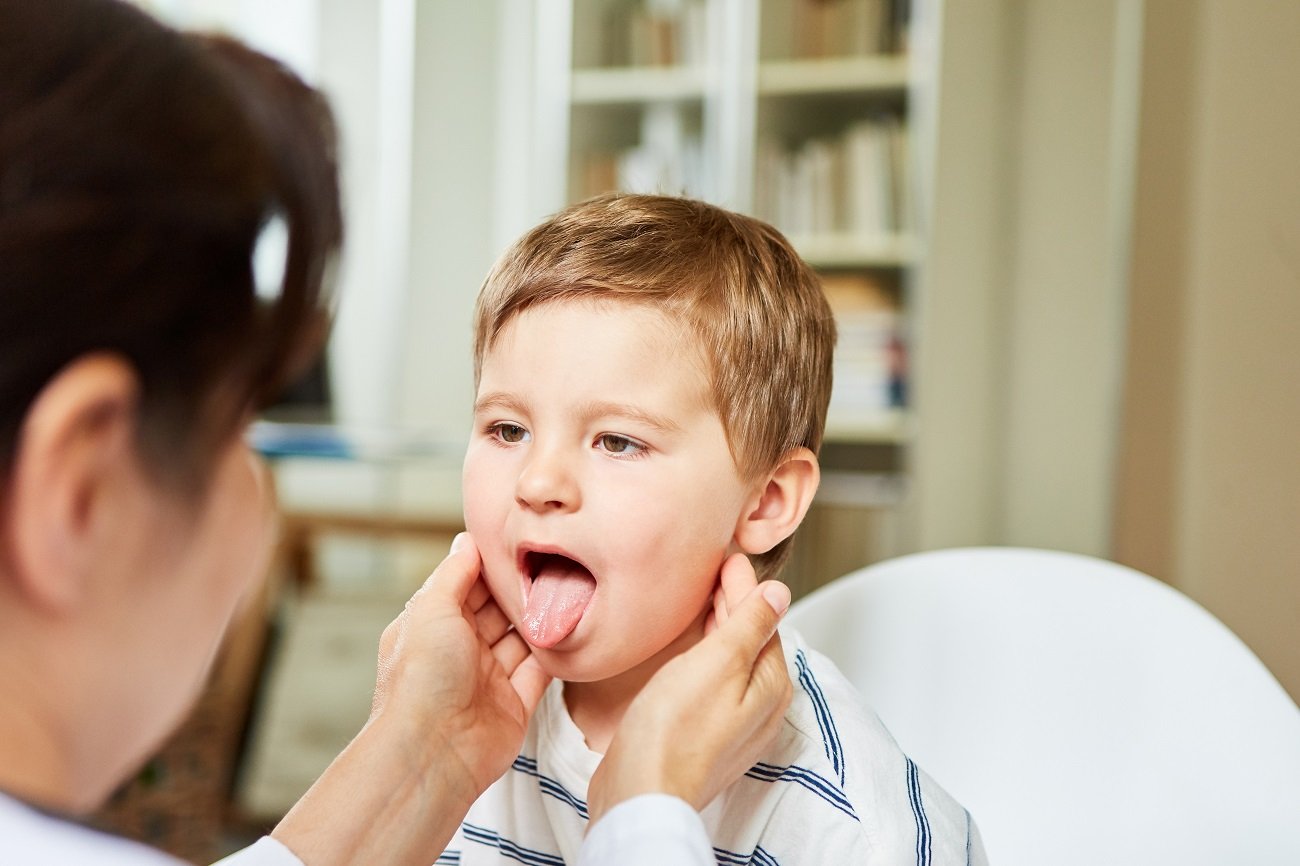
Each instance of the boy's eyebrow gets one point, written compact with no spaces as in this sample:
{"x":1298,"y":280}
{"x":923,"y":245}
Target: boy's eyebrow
{"x":501,"y":400}
{"x":603,"y":409}
{"x":498,"y":400}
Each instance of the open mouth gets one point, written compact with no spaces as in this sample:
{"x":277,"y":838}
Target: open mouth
{"x":557,"y":595}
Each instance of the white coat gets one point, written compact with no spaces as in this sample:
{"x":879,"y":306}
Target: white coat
{"x":650,"y":829}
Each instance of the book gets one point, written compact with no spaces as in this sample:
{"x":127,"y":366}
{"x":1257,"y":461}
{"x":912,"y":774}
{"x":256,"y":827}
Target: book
{"x":850,"y":184}
{"x":868,"y":365}
{"x":656,"y":33}
{"x":841,"y":28}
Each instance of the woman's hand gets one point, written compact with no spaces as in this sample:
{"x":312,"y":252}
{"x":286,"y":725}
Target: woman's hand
{"x":451,"y":665}
{"x":454,"y":691}
{"x":730,"y":692}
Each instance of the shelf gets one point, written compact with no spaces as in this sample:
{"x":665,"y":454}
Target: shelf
{"x":854,"y":251}
{"x":867,"y":74}
{"x":635,"y":84}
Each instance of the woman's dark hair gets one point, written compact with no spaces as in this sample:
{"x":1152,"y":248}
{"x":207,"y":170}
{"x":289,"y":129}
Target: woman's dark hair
{"x":138,"y":168}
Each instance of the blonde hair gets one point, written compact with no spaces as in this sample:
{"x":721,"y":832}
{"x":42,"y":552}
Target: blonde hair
{"x":756,"y":309}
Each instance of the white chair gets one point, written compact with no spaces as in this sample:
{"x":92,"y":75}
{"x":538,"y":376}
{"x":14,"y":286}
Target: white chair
{"x":1083,"y":712}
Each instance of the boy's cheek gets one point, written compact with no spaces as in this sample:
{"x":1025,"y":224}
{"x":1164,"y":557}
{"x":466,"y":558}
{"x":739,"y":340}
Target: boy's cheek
{"x":503,"y":587}
{"x":485,"y":528}
{"x":498,"y":573}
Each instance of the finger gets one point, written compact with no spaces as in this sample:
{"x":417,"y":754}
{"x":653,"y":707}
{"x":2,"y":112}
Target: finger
{"x":770,"y":671}
{"x":530,"y":682}
{"x":388,"y":639}
{"x":738,"y":580}
{"x":455,"y":575}
{"x":719,"y":604}
{"x":735,"y":579}
{"x":510,"y":651}
{"x":752,"y":624}
{"x":774,"y":721}
{"x":770,"y":684}
{"x":479,"y":595}
{"x":492,"y":622}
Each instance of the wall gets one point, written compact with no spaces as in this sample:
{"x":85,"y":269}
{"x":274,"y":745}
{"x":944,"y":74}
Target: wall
{"x":453,"y":173}
{"x":1022,"y":296}
{"x":1073,"y":148}
{"x":366,"y":58}
{"x":961,"y":111}
{"x":1209,"y":490}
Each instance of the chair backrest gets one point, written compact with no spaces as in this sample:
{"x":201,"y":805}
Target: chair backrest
{"x":1083,"y":712}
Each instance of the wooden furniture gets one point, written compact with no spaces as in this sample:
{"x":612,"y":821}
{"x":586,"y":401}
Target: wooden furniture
{"x":300,"y":530}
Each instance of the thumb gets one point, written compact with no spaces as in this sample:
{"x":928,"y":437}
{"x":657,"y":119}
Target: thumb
{"x":752,"y":624}
{"x":455,"y":576}
{"x":737,"y":579}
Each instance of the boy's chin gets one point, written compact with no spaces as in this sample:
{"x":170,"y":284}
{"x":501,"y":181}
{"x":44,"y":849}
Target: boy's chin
{"x":588,"y":664}
{"x":579,"y":666}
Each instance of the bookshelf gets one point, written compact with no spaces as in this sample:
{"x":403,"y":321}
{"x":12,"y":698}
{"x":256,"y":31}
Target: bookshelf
{"x":795,"y":111}
{"x":864,"y":74}
{"x":636,"y":85}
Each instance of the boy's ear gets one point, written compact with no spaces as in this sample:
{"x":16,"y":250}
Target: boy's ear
{"x":77,"y":435}
{"x":779,"y":505}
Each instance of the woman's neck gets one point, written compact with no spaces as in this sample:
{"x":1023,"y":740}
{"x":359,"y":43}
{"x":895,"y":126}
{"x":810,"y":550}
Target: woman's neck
{"x":598,"y":707}
{"x":34,"y":767}
{"x":55,"y":753}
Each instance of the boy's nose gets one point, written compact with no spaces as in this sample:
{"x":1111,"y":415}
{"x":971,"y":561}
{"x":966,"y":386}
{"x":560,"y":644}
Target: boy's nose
{"x":547,"y":484}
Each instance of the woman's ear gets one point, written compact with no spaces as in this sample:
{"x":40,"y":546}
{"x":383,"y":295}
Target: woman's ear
{"x":75,"y":440}
{"x":780,"y":503}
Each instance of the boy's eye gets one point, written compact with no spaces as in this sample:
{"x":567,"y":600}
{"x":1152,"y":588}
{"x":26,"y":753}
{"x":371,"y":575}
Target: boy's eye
{"x":615,"y":444}
{"x":511,"y":433}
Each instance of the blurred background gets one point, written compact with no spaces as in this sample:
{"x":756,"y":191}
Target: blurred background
{"x":1062,"y":240}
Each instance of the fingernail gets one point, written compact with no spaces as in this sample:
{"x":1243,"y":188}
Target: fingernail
{"x":458,"y":542}
{"x":778,"y":596}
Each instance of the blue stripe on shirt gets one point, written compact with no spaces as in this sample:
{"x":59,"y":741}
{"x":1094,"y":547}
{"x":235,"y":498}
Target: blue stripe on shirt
{"x":918,"y":812}
{"x":550,"y":786}
{"x":826,"y":722}
{"x":518,"y":853}
{"x":732,"y":858}
{"x":806,"y":778}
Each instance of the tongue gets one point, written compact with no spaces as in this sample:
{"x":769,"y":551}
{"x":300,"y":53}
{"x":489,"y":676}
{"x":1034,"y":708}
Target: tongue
{"x":559,"y":597}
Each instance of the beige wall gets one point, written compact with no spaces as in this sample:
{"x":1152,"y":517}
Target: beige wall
{"x":1208,"y":495}
{"x":1022,"y":295}
{"x":963,"y":109}
{"x":1073,"y":157}
{"x":453,"y":128}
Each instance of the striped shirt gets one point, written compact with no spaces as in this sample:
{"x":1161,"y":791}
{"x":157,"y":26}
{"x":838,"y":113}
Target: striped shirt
{"x":833,"y":788}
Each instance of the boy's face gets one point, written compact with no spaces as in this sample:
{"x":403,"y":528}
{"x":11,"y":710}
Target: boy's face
{"x":599,"y":486}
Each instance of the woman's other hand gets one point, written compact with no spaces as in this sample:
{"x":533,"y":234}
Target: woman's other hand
{"x":730,"y":691}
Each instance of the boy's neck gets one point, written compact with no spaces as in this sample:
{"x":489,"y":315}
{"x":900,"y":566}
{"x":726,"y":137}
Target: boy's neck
{"x":598,"y":707}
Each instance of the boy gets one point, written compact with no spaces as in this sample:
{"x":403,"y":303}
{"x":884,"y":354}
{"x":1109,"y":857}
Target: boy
{"x":652,"y":378}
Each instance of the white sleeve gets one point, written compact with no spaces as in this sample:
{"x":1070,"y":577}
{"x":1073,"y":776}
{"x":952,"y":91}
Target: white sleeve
{"x":264,"y":852}
{"x":648,"y":830}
